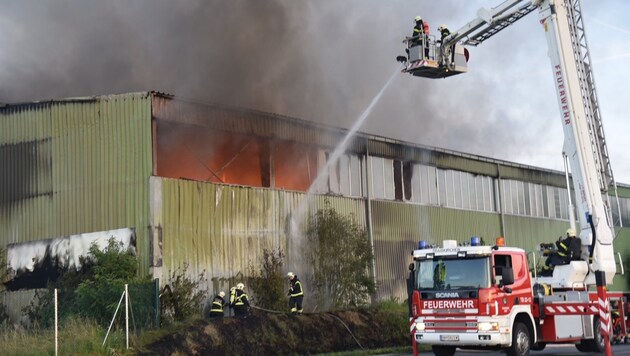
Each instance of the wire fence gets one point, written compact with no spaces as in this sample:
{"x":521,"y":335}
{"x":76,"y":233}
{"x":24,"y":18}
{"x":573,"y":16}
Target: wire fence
{"x":97,"y":302}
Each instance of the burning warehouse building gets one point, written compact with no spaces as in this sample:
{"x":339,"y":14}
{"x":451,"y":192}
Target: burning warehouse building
{"x":187,"y":182}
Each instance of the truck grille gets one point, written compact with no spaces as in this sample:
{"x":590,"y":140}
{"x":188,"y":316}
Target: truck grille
{"x":452,"y":325}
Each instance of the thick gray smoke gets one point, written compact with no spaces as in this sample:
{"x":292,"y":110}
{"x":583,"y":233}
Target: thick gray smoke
{"x":320,"y":60}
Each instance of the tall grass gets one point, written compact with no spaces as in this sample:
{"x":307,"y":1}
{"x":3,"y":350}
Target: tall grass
{"x":76,"y":337}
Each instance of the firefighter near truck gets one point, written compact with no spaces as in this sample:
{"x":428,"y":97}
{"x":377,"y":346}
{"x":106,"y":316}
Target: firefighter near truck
{"x":488,"y":296}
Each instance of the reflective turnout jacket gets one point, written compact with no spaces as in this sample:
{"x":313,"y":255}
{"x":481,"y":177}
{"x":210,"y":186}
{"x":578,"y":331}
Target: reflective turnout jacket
{"x":239,"y":299}
{"x":295,"y":287}
{"x":217,"y":305}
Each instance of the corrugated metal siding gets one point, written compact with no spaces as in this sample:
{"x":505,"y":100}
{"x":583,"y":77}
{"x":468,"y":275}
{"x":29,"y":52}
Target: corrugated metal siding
{"x":533,"y":176}
{"x":398,"y":227}
{"x":527,"y":233}
{"x":15,"y":302}
{"x":222,"y":230}
{"x":622,"y":245}
{"x":90,"y":172}
{"x":622,"y":191}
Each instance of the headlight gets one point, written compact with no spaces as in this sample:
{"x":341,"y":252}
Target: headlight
{"x":419,"y":326}
{"x":488,"y":326}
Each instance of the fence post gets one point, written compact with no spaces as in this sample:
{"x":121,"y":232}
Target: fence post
{"x":156,"y":283}
{"x":127,"y":313}
{"x":56,"y":324}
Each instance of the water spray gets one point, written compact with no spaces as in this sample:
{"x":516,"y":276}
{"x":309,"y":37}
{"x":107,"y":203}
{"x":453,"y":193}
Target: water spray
{"x":334,"y":157}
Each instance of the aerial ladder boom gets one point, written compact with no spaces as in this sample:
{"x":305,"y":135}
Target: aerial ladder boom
{"x":584,"y":140}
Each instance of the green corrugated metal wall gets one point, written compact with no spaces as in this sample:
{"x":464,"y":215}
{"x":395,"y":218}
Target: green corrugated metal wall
{"x":84,"y":165}
{"x":222,"y":230}
{"x":398,"y":227}
{"x":622,"y":246}
{"x":88,"y":165}
{"x":526,"y":232}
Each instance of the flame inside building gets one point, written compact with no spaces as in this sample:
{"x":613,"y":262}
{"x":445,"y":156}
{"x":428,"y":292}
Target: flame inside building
{"x":217,"y":156}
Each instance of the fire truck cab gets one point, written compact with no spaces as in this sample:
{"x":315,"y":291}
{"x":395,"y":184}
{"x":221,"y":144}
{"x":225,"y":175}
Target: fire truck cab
{"x":484,"y":297}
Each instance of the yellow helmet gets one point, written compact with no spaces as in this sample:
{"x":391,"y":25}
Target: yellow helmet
{"x":570,"y":232}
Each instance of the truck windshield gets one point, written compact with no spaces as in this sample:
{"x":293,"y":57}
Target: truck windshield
{"x":440,"y":274}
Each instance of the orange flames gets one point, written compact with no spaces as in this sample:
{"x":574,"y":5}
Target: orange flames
{"x":203,"y":154}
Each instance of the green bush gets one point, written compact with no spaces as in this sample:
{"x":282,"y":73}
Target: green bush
{"x":268,"y":284}
{"x":182,"y":298}
{"x":341,"y":257}
{"x":93,"y":291}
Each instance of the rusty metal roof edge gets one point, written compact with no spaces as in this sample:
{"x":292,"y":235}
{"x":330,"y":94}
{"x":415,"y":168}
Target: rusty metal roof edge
{"x":73,"y":99}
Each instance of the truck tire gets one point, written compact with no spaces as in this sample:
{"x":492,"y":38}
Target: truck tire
{"x":539,"y":346}
{"x":443,"y":350}
{"x":582,"y":346}
{"x":596,"y":344}
{"x":521,"y":341}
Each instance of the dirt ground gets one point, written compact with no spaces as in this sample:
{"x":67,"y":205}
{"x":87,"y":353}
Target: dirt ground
{"x":264,"y":333}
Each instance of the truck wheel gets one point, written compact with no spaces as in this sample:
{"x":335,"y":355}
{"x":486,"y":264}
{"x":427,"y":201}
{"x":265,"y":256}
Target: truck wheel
{"x":443,"y":350}
{"x":582,"y":346}
{"x":539,"y":346}
{"x":521,"y":342}
{"x":596,"y":344}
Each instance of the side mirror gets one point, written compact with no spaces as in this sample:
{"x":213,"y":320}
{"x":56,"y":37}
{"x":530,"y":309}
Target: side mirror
{"x":507,"y":276}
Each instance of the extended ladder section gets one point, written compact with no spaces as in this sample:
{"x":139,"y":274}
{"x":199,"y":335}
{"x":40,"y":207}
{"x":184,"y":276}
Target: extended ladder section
{"x":589,"y":94}
{"x":584,"y":143}
{"x":499,"y":23}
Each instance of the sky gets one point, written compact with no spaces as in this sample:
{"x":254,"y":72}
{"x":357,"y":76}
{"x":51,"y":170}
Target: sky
{"x":323,"y":61}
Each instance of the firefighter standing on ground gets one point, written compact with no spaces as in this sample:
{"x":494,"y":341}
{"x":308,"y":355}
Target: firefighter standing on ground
{"x":296,"y":294}
{"x":216,"y":309}
{"x":239,"y":300}
{"x":568,"y":249}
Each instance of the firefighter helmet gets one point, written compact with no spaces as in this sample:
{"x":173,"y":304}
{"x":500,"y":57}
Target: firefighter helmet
{"x":221,"y":294}
{"x":417,"y":18}
{"x":240,"y":286}
{"x":571,"y":232}
{"x":290,"y":275}
{"x":441,"y":28}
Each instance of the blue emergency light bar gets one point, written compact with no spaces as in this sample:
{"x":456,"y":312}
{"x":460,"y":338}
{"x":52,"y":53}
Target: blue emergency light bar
{"x":475,"y":241}
{"x":422,"y":244}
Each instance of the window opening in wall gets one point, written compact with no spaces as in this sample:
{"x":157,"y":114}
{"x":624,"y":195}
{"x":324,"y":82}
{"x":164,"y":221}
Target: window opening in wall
{"x":398,"y":186}
{"x":407,"y":178}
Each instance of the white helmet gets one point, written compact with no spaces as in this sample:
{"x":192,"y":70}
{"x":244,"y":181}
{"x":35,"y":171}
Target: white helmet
{"x":442,"y":27}
{"x":221,"y":294}
{"x":571,"y":232}
{"x":240,"y":286}
{"x":290,"y":275}
{"x":417,"y":18}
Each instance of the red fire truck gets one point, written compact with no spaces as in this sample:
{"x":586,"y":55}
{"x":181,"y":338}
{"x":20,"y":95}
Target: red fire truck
{"x":486,"y":297}
{"x":489,"y":297}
